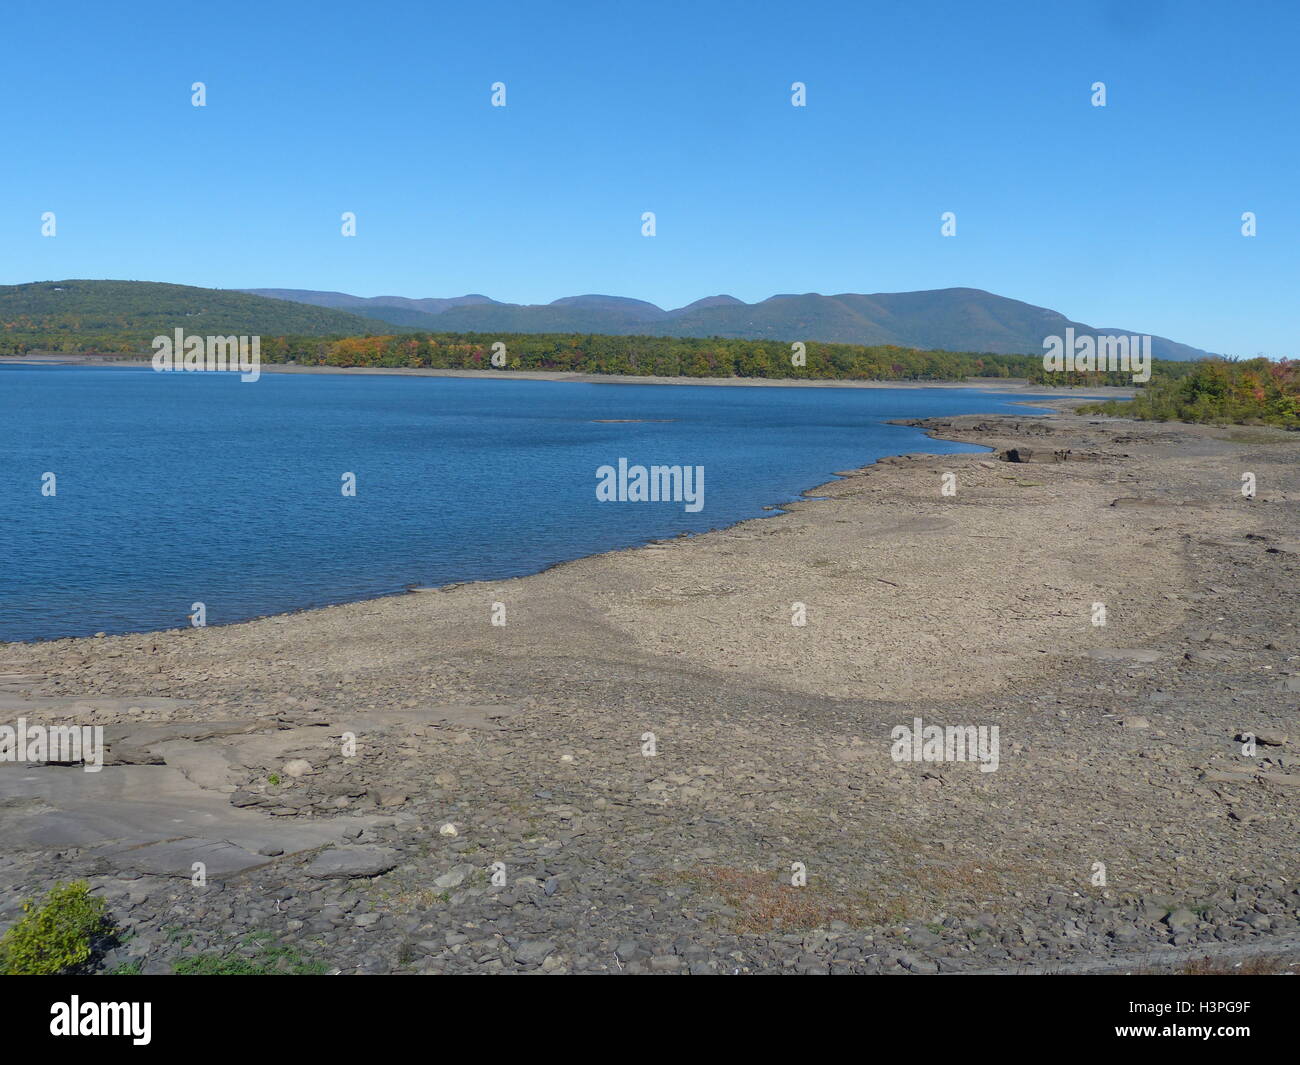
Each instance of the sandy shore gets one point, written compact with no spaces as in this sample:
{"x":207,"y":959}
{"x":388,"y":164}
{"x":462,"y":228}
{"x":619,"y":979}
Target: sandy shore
{"x":771,"y":741}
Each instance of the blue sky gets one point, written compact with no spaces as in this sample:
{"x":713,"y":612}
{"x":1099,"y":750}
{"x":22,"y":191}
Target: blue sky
{"x":1125,"y":216}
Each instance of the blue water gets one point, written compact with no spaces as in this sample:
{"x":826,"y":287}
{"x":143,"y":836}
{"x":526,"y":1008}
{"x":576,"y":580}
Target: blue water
{"x":181,"y":488}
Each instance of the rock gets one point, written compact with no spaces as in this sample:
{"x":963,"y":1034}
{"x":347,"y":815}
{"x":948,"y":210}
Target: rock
{"x":1124,"y":654}
{"x":1155,"y":907}
{"x":1137,"y":501}
{"x":453,"y":878}
{"x":126,"y":754}
{"x":1134,"y":721}
{"x":448,"y":830}
{"x":1181,"y":920}
{"x":346,"y":862}
{"x":533,"y":951}
{"x":179,"y":858}
{"x":1264,"y":737}
{"x":1228,"y":776}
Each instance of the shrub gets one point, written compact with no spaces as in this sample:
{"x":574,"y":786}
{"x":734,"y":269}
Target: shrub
{"x":57,"y":937}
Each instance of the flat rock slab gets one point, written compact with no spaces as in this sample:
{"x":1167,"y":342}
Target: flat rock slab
{"x":345,"y":862}
{"x":205,"y":764}
{"x":135,"y":744}
{"x":16,"y":682}
{"x":489,"y":716}
{"x":1229,"y":776}
{"x":269,"y":749}
{"x":94,"y":703}
{"x":1134,"y":501}
{"x":122,"y":808}
{"x":177,"y":857}
{"x":143,"y":735}
{"x":1124,"y":654}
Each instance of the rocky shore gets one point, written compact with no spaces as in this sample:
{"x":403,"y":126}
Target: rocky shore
{"x":634,"y":771}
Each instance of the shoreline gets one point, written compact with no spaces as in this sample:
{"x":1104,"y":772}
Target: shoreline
{"x":773,"y":739}
{"x":990,"y":384}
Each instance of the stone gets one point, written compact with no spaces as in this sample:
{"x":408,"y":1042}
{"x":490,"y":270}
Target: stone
{"x":1124,"y":654}
{"x":533,"y":951}
{"x":1228,"y":776}
{"x":453,"y":878}
{"x":348,"y":862}
{"x":1264,"y":737}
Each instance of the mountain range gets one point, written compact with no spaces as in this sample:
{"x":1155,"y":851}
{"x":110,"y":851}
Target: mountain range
{"x":953,"y":319}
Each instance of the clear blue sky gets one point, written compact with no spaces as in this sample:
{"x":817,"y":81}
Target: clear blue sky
{"x":1124,"y":216}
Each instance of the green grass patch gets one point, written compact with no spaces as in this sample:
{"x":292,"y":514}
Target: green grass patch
{"x":264,"y":960}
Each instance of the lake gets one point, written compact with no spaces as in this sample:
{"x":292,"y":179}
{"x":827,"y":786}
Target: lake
{"x":172,"y":489}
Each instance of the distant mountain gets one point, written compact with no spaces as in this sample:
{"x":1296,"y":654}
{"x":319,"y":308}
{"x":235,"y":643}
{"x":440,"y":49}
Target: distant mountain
{"x":709,"y":301}
{"x":954,"y":319}
{"x":148,"y":308}
{"x":357,"y":304}
{"x":633,"y":310}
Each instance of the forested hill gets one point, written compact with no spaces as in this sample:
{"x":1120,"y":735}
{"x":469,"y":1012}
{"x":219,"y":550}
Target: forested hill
{"x":120,"y":316}
{"x":125,"y":315}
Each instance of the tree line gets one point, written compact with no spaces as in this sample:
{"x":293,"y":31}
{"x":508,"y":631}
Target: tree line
{"x":591,"y":353}
{"x":1219,"y":391}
